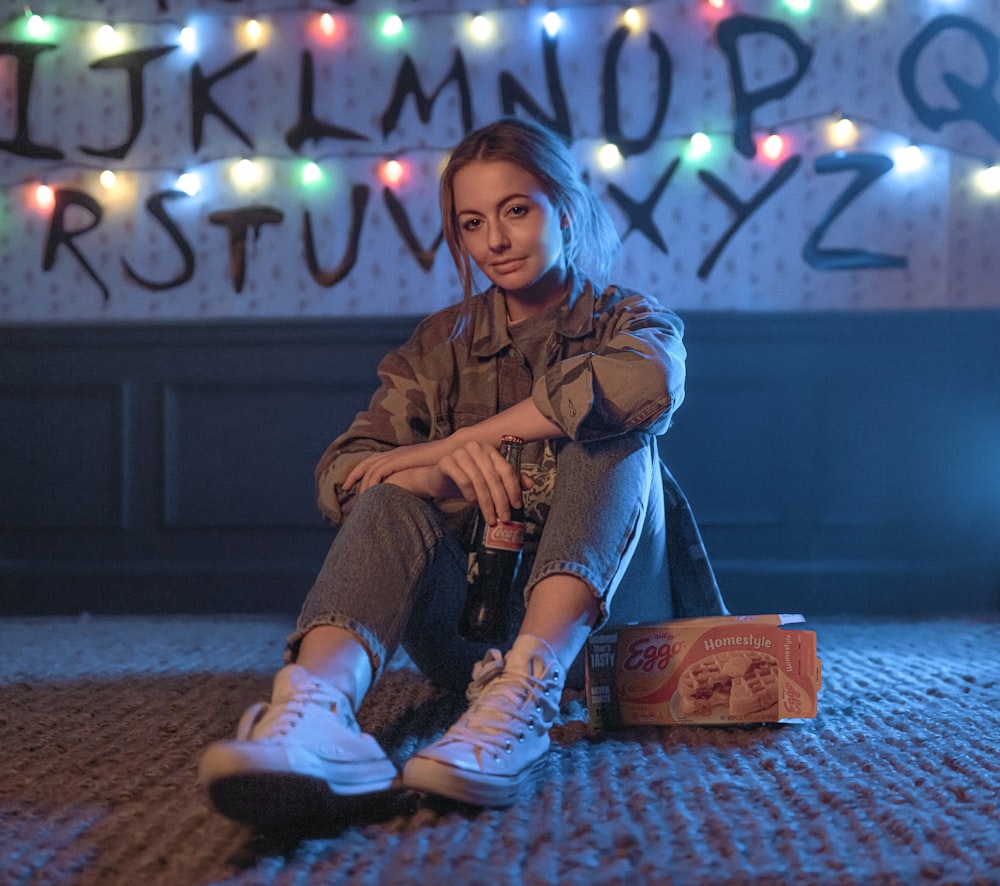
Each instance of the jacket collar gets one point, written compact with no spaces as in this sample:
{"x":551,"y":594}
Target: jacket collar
{"x":574,"y":320}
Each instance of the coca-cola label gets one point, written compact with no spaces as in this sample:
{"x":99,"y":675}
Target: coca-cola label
{"x":504,"y":536}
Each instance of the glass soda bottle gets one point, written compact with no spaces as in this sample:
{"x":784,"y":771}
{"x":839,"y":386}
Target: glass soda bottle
{"x":494,"y":556}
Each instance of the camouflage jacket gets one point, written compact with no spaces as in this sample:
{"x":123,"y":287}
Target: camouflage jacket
{"x":615,"y":363}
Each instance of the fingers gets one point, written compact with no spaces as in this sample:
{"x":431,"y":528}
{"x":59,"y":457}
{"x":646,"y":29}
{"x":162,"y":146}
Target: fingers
{"x":484,"y":478}
{"x":364,"y":472}
{"x":476,"y":471}
{"x":374,"y":469}
{"x":379,"y":466}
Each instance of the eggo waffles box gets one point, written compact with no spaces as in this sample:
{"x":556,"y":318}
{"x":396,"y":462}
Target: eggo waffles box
{"x":721,"y":669}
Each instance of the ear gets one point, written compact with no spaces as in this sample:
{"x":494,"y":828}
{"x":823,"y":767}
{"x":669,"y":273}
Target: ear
{"x":564,"y":221}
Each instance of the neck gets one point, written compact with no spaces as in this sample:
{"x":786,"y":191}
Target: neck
{"x":547,"y":291}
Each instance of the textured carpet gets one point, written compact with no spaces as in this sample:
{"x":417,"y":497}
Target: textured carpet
{"x":896,"y":782}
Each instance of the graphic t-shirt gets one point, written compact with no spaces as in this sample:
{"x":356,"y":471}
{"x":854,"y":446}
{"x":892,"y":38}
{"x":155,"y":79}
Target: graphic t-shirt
{"x":532,"y":338}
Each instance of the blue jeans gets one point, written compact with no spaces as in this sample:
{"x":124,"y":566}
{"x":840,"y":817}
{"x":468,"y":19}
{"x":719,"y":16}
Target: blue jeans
{"x":396,"y":574}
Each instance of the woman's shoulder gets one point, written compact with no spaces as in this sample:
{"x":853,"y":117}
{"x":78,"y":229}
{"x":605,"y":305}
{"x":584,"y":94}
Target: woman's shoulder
{"x":444,"y":327}
{"x":616,"y":293}
{"x":444,"y":317}
{"x":616,"y":297}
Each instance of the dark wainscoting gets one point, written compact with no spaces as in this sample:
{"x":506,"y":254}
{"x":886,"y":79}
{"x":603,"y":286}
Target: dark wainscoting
{"x":838,"y":463}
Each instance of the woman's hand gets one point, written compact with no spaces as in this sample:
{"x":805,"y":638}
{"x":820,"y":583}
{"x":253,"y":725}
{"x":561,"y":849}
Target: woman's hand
{"x":380,"y":466}
{"x":462,"y":465}
{"x":482,"y":476}
{"x":447,"y":468}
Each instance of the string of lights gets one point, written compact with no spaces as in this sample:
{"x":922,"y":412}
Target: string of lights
{"x":322,"y":133}
{"x":247,"y":172}
{"x":773,"y":145}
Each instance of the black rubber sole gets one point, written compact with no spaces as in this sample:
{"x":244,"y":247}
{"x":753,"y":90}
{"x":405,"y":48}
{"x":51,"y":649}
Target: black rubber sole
{"x":286,"y":803}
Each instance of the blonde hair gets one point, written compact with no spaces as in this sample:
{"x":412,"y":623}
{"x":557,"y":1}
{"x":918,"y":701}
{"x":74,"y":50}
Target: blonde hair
{"x":590,"y":238}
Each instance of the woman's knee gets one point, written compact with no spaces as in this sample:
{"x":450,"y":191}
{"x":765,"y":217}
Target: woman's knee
{"x":627,"y":459}
{"x":381,"y":498}
{"x":387,"y":505}
{"x":607,"y":449}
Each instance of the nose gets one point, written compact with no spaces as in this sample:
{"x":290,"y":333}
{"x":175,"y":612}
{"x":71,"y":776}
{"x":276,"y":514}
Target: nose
{"x":497,"y":237}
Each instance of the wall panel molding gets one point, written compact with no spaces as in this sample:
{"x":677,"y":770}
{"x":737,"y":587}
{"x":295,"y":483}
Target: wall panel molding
{"x":837,"y":463}
{"x":229,"y":447}
{"x":64,"y":451}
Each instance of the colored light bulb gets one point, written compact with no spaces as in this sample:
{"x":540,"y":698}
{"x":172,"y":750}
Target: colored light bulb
{"x":188,"y":39}
{"x":392,"y":172}
{"x":480,"y":28}
{"x":552,"y":22}
{"x":988,"y":180}
{"x":609,"y":156}
{"x":773,"y":147}
{"x":700,"y":144}
{"x":632,"y":19}
{"x":45,"y":197}
{"x":392,"y":26}
{"x":189,"y":183}
{"x":842,"y":132}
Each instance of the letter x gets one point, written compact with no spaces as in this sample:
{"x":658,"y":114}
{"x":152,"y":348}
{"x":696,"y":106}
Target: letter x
{"x":640,"y":214}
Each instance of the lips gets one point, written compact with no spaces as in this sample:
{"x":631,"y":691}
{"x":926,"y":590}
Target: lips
{"x":507,"y":266}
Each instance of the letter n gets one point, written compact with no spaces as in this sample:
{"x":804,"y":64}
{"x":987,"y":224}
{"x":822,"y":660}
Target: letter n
{"x":512,"y":93}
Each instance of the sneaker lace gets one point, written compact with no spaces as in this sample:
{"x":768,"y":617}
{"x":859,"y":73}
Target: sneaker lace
{"x":483,"y":673}
{"x":506,"y":708}
{"x":276,"y":719}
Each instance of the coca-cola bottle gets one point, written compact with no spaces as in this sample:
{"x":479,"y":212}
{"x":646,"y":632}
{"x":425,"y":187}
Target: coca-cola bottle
{"x":494,"y":556}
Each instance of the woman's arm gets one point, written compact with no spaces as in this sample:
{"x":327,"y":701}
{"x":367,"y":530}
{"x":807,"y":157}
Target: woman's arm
{"x":398,"y":414}
{"x":626,"y":375}
{"x":467,"y":464}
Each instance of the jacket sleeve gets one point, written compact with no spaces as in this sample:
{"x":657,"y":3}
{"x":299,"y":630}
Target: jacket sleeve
{"x":398,"y":414}
{"x":629,"y":376}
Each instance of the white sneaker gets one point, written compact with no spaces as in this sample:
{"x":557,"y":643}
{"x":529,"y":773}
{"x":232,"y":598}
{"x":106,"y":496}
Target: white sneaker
{"x":294,"y":752}
{"x":489,"y":755}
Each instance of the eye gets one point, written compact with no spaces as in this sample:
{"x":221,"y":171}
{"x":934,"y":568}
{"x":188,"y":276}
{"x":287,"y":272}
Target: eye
{"x":518,"y":210}
{"x":472,"y":224}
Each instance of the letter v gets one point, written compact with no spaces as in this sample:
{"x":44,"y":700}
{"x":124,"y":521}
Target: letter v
{"x":424,"y":257}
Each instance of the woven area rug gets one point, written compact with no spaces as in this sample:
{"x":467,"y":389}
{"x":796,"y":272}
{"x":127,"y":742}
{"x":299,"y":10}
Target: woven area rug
{"x":896,"y":782}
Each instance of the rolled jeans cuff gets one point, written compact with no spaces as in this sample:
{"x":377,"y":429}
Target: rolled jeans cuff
{"x":588,"y":576}
{"x":366,"y":637}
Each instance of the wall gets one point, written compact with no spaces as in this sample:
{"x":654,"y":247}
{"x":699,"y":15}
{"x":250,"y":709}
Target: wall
{"x":837,"y":463}
{"x":874,"y":197}
{"x":173,"y":358}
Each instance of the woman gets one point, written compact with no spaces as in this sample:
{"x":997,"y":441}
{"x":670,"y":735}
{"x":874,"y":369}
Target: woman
{"x":587,"y":377}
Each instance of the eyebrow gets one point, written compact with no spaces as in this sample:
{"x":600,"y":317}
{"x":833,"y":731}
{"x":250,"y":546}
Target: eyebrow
{"x":503,"y":202}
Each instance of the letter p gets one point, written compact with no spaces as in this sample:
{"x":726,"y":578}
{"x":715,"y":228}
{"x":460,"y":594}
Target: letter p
{"x":747,"y":101}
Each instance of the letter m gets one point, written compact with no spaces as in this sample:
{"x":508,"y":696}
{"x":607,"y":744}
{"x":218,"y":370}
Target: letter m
{"x":408,"y":83}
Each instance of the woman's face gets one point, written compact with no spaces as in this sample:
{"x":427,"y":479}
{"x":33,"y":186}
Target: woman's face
{"x":512,"y":231}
